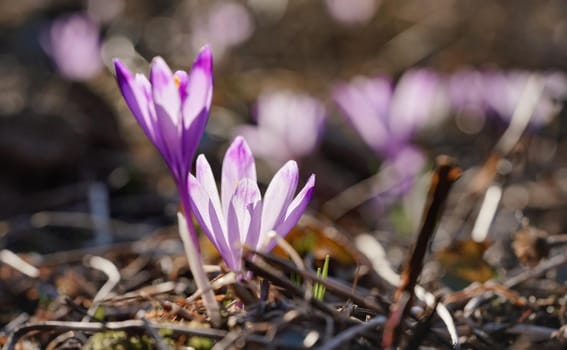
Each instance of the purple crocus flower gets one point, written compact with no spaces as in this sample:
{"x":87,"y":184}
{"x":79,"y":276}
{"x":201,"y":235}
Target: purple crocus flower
{"x":240,"y":216}
{"x":386,"y":118}
{"x":492,"y":92}
{"x":289,"y":126}
{"x":73,"y":43}
{"x":503,"y":91}
{"x":172,"y":109}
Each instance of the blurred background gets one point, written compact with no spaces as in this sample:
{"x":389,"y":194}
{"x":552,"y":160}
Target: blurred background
{"x":364,"y":93}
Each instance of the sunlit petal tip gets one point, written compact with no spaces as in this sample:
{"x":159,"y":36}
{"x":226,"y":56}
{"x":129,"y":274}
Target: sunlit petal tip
{"x":201,"y":164}
{"x":289,"y":172}
{"x":204,"y":59}
{"x":121,"y":71}
{"x":192,"y":183}
{"x":239,"y":153}
{"x":294,"y":211}
{"x":304,"y":196}
{"x":181,"y":79}
{"x":279,"y":194}
{"x":238,"y":164}
{"x":160,"y":73}
{"x":290,"y":168}
{"x":310,"y":182}
{"x":123,"y":75}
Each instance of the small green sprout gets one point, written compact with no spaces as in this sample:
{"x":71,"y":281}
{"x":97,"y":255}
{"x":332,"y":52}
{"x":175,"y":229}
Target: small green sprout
{"x":318,"y":288}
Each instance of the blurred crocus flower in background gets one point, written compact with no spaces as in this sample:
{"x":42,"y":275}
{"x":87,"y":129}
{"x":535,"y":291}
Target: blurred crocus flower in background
{"x":485,"y":93}
{"x":240,"y":216}
{"x":226,"y":25}
{"x":289,"y":126}
{"x":386,"y":117}
{"x":172,"y":109}
{"x":504,"y":90}
{"x":73,"y":43}
{"x":352,"y":11}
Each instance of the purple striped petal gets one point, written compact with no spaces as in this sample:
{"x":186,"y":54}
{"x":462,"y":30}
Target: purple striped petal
{"x":240,"y":213}
{"x":209,"y":219}
{"x":136,"y":96}
{"x":294,"y":211}
{"x":153,"y":131}
{"x":253,"y":235}
{"x":167,"y":105}
{"x":278,"y":196}
{"x":245,"y":199}
{"x":238,"y":164}
{"x":196,"y":104}
{"x":233,"y":235}
{"x":200,"y":204}
{"x":228,"y":254}
{"x":206,"y":178}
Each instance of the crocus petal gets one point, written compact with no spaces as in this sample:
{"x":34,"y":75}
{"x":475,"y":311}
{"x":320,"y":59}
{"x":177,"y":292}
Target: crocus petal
{"x":253,"y":235}
{"x":404,"y":168}
{"x":245,"y":198}
{"x":289,"y":126}
{"x":197,"y":103}
{"x":199,"y":85}
{"x":239,"y":216}
{"x":206,"y":178}
{"x":414,"y":102}
{"x":167,"y":106}
{"x":200,"y":204}
{"x":153,"y":132}
{"x":272,"y":111}
{"x":209,"y":219}
{"x":136,"y":98}
{"x":238,"y":164}
{"x":181,"y":80}
{"x":306,"y":116}
{"x":279,"y":194}
{"x":229,"y":255}
{"x":233,"y":235}
{"x":73,"y":42}
{"x":366,"y":111}
{"x":293,"y":212}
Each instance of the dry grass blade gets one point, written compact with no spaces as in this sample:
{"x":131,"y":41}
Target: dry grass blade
{"x":10,"y":258}
{"x":113,"y":275}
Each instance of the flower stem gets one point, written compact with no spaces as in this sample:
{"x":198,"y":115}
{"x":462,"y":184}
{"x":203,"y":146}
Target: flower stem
{"x":187,"y":233}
